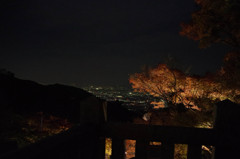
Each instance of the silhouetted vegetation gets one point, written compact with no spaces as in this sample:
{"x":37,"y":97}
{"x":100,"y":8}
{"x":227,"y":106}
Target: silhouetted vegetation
{"x":31,"y":111}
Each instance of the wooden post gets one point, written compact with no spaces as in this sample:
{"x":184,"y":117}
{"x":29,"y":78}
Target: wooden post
{"x":167,"y":150}
{"x":101,"y":148}
{"x":104,"y":105}
{"x":154,"y":151}
{"x":141,"y":149}
{"x":227,"y":124}
{"x":118,"y":148}
{"x":91,"y":113}
{"x":194,"y":151}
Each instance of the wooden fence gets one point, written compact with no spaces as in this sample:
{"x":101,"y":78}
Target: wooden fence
{"x":168,"y":136}
{"x":87,"y":141}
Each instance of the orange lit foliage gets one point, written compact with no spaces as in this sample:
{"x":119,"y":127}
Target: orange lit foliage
{"x":108,"y":148}
{"x":174,"y":87}
{"x":130,"y":148}
{"x":229,"y":76}
{"x":230,"y":72}
{"x":160,"y":82}
{"x":39,"y":126}
{"x":217,"y":21}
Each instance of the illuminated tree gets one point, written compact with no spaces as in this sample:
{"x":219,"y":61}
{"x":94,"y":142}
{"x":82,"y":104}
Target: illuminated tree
{"x":217,"y":21}
{"x":167,"y":84}
{"x":174,"y":87}
{"x":229,"y":76}
{"x":161,"y":82}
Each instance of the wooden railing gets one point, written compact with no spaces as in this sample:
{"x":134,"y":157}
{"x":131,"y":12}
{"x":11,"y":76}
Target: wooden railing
{"x":87,"y":141}
{"x":168,"y":136}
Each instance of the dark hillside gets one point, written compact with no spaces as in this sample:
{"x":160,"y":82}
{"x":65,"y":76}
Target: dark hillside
{"x":28,"y":97}
{"x":24,"y":96}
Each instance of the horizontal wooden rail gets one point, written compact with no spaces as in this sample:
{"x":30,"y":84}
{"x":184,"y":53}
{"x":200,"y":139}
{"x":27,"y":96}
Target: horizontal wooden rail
{"x":88,"y":142}
{"x":178,"y":135}
{"x":168,"y":136}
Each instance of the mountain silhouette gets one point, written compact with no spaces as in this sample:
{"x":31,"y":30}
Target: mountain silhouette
{"x":25,"y":96}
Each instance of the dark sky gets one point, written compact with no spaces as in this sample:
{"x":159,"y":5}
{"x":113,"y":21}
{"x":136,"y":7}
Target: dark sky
{"x":96,"y":42}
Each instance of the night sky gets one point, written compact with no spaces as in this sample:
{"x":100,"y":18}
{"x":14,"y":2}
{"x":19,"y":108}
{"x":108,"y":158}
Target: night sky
{"x":97,"y":42}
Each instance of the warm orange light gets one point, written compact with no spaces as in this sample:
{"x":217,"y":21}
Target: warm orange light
{"x":174,"y":86}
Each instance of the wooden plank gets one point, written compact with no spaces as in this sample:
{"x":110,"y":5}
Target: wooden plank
{"x":118,"y":148}
{"x":167,"y":150}
{"x":154,"y":151}
{"x":101,"y":145}
{"x":141,"y":149}
{"x":227,"y":126}
{"x":194,"y":151}
{"x":178,"y":135}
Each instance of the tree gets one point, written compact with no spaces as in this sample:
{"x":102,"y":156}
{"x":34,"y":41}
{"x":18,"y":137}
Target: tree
{"x":217,"y":21}
{"x":229,"y":76}
{"x":175,"y":87}
{"x":161,"y":82}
